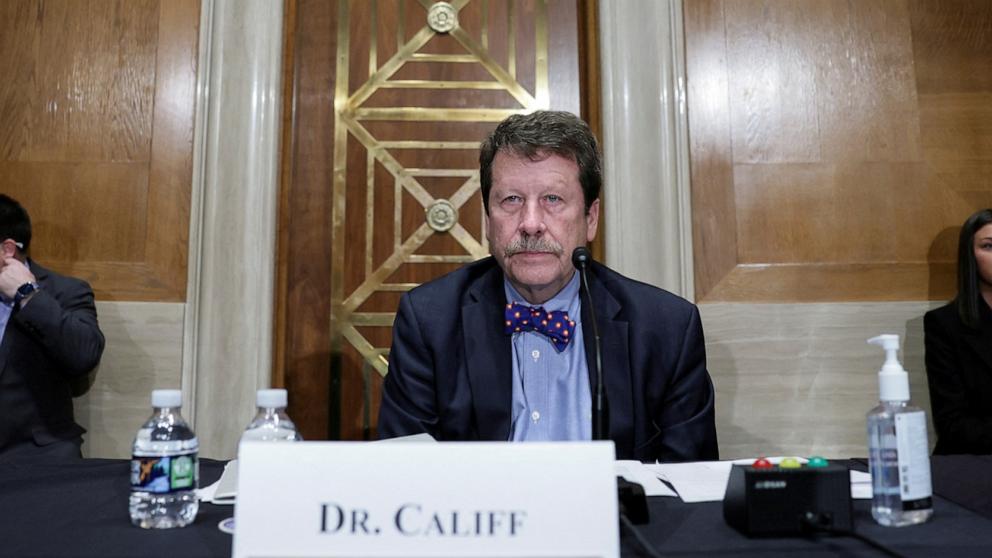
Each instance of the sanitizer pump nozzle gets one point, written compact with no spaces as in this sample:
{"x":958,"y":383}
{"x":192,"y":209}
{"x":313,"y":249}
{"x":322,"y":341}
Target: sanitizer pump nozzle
{"x":893,"y":381}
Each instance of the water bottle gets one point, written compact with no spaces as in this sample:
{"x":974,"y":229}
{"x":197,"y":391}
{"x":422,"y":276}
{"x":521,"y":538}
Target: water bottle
{"x":164,"y":467}
{"x":271,"y":423}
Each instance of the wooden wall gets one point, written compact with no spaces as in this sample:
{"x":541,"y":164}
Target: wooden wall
{"x":835,"y":148}
{"x":97,"y":137}
{"x":96,"y":141}
{"x":836,"y":145}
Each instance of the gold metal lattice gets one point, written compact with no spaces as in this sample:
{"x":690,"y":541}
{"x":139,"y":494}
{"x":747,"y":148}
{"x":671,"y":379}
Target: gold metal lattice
{"x":441,"y":215}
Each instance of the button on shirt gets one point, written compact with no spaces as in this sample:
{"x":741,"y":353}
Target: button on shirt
{"x":551,"y":396}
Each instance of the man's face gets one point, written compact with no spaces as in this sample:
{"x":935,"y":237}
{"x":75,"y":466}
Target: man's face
{"x":536,"y":219}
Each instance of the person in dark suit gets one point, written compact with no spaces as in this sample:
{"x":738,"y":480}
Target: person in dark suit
{"x":50,"y":335}
{"x":502,"y":348}
{"x":958,"y":339}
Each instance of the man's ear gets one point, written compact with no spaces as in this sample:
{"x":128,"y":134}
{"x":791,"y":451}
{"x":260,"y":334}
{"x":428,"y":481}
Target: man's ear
{"x":592,"y":221}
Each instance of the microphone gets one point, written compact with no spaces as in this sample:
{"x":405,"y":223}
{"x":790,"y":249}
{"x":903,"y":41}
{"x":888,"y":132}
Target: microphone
{"x":580,"y":259}
{"x":632,"y":503}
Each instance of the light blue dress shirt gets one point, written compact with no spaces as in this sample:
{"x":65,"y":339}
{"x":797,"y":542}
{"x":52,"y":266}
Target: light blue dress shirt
{"x":551,"y":396}
{"x":6,"y":307}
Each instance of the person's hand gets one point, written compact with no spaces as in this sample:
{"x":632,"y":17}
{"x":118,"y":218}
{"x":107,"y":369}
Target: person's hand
{"x":13,"y":274}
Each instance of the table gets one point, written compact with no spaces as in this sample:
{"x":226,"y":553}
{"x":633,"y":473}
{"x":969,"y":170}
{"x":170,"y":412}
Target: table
{"x":80,"y":509}
{"x":961,"y":526}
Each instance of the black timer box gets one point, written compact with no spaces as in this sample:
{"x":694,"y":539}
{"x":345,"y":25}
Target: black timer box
{"x":772,"y":501}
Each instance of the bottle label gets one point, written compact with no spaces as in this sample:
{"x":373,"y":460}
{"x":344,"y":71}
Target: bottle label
{"x":164,"y":474}
{"x":914,"y":461}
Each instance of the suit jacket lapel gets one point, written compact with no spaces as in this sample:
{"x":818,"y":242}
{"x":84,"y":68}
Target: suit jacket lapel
{"x":615,"y":359}
{"x":487,"y":356}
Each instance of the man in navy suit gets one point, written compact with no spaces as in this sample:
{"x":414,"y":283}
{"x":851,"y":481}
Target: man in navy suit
{"x":48,"y":336}
{"x":503,"y":349}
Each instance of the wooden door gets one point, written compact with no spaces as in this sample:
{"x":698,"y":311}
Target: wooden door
{"x":836,"y":146}
{"x":381,"y":187}
{"x":96,"y":137}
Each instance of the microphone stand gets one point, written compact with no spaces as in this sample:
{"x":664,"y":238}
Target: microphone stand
{"x":580,"y":259}
{"x":632,"y":503}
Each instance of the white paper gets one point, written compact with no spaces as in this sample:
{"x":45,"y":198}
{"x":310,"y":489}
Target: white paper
{"x":635,"y":471}
{"x":860,"y":485}
{"x":224,"y":491}
{"x":422,"y":437}
{"x":698,"y":481}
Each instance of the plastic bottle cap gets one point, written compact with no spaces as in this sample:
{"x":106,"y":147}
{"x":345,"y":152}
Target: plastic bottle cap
{"x":167,"y":398}
{"x":271,"y":398}
{"x":817,"y":461}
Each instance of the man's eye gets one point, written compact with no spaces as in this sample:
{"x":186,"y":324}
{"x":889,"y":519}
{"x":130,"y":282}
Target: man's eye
{"x":553,"y":198}
{"x":512,"y":199}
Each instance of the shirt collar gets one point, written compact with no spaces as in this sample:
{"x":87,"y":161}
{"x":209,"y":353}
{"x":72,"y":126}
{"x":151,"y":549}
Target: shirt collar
{"x":561,"y":301}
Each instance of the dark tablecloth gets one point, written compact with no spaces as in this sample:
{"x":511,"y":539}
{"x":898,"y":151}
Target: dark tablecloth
{"x":80,"y":509}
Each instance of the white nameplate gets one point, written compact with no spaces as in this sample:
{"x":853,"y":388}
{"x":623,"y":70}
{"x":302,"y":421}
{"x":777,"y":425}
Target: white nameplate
{"x":489,"y":499}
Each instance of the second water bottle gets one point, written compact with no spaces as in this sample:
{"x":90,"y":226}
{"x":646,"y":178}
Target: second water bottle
{"x":271,"y":423}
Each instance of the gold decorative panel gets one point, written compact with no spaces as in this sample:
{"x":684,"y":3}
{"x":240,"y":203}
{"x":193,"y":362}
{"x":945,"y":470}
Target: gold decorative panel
{"x":418,"y":84}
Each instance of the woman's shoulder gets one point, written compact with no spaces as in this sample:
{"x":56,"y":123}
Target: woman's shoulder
{"x":944,"y":316}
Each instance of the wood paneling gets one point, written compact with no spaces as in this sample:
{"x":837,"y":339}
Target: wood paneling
{"x":590,"y":79}
{"x":144,"y":352}
{"x":797,"y":379}
{"x":70,"y":68}
{"x":97,"y":105}
{"x":714,"y":217}
{"x":835,"y":145}
{"x":354,"y":235}
{"x":303,"y":358}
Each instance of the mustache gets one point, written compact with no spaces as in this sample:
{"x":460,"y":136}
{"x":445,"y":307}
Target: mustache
{"x":532,"y":244}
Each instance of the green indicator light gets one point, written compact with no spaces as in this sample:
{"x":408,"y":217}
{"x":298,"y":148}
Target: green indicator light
{"x":817,"y":461}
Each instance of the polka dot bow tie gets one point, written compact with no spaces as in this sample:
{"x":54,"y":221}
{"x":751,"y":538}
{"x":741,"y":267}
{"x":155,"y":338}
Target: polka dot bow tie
{"x":556,"y":325}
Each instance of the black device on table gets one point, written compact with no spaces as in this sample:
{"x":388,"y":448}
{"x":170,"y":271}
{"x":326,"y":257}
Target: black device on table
{"x":772,"y":500}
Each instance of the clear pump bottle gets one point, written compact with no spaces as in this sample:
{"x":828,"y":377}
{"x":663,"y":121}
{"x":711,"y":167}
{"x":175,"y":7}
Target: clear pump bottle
{"x":899,"y":459}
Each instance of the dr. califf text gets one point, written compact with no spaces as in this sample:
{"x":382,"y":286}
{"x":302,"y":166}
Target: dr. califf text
{"x":413,"y":520}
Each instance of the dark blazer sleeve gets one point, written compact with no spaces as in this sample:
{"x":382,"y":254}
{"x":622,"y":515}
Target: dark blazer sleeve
{"x":61,"y":318}
{"x":408,"y":393}
{"x":686,"y":418}
{"x":959,"y":429}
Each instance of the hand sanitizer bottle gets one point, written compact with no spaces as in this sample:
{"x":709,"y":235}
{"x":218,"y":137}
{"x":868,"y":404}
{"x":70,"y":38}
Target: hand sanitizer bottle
{"x":897,"y":446}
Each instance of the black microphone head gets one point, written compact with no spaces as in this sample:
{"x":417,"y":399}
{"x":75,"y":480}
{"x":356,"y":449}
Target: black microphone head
{"x":581,"y":256}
